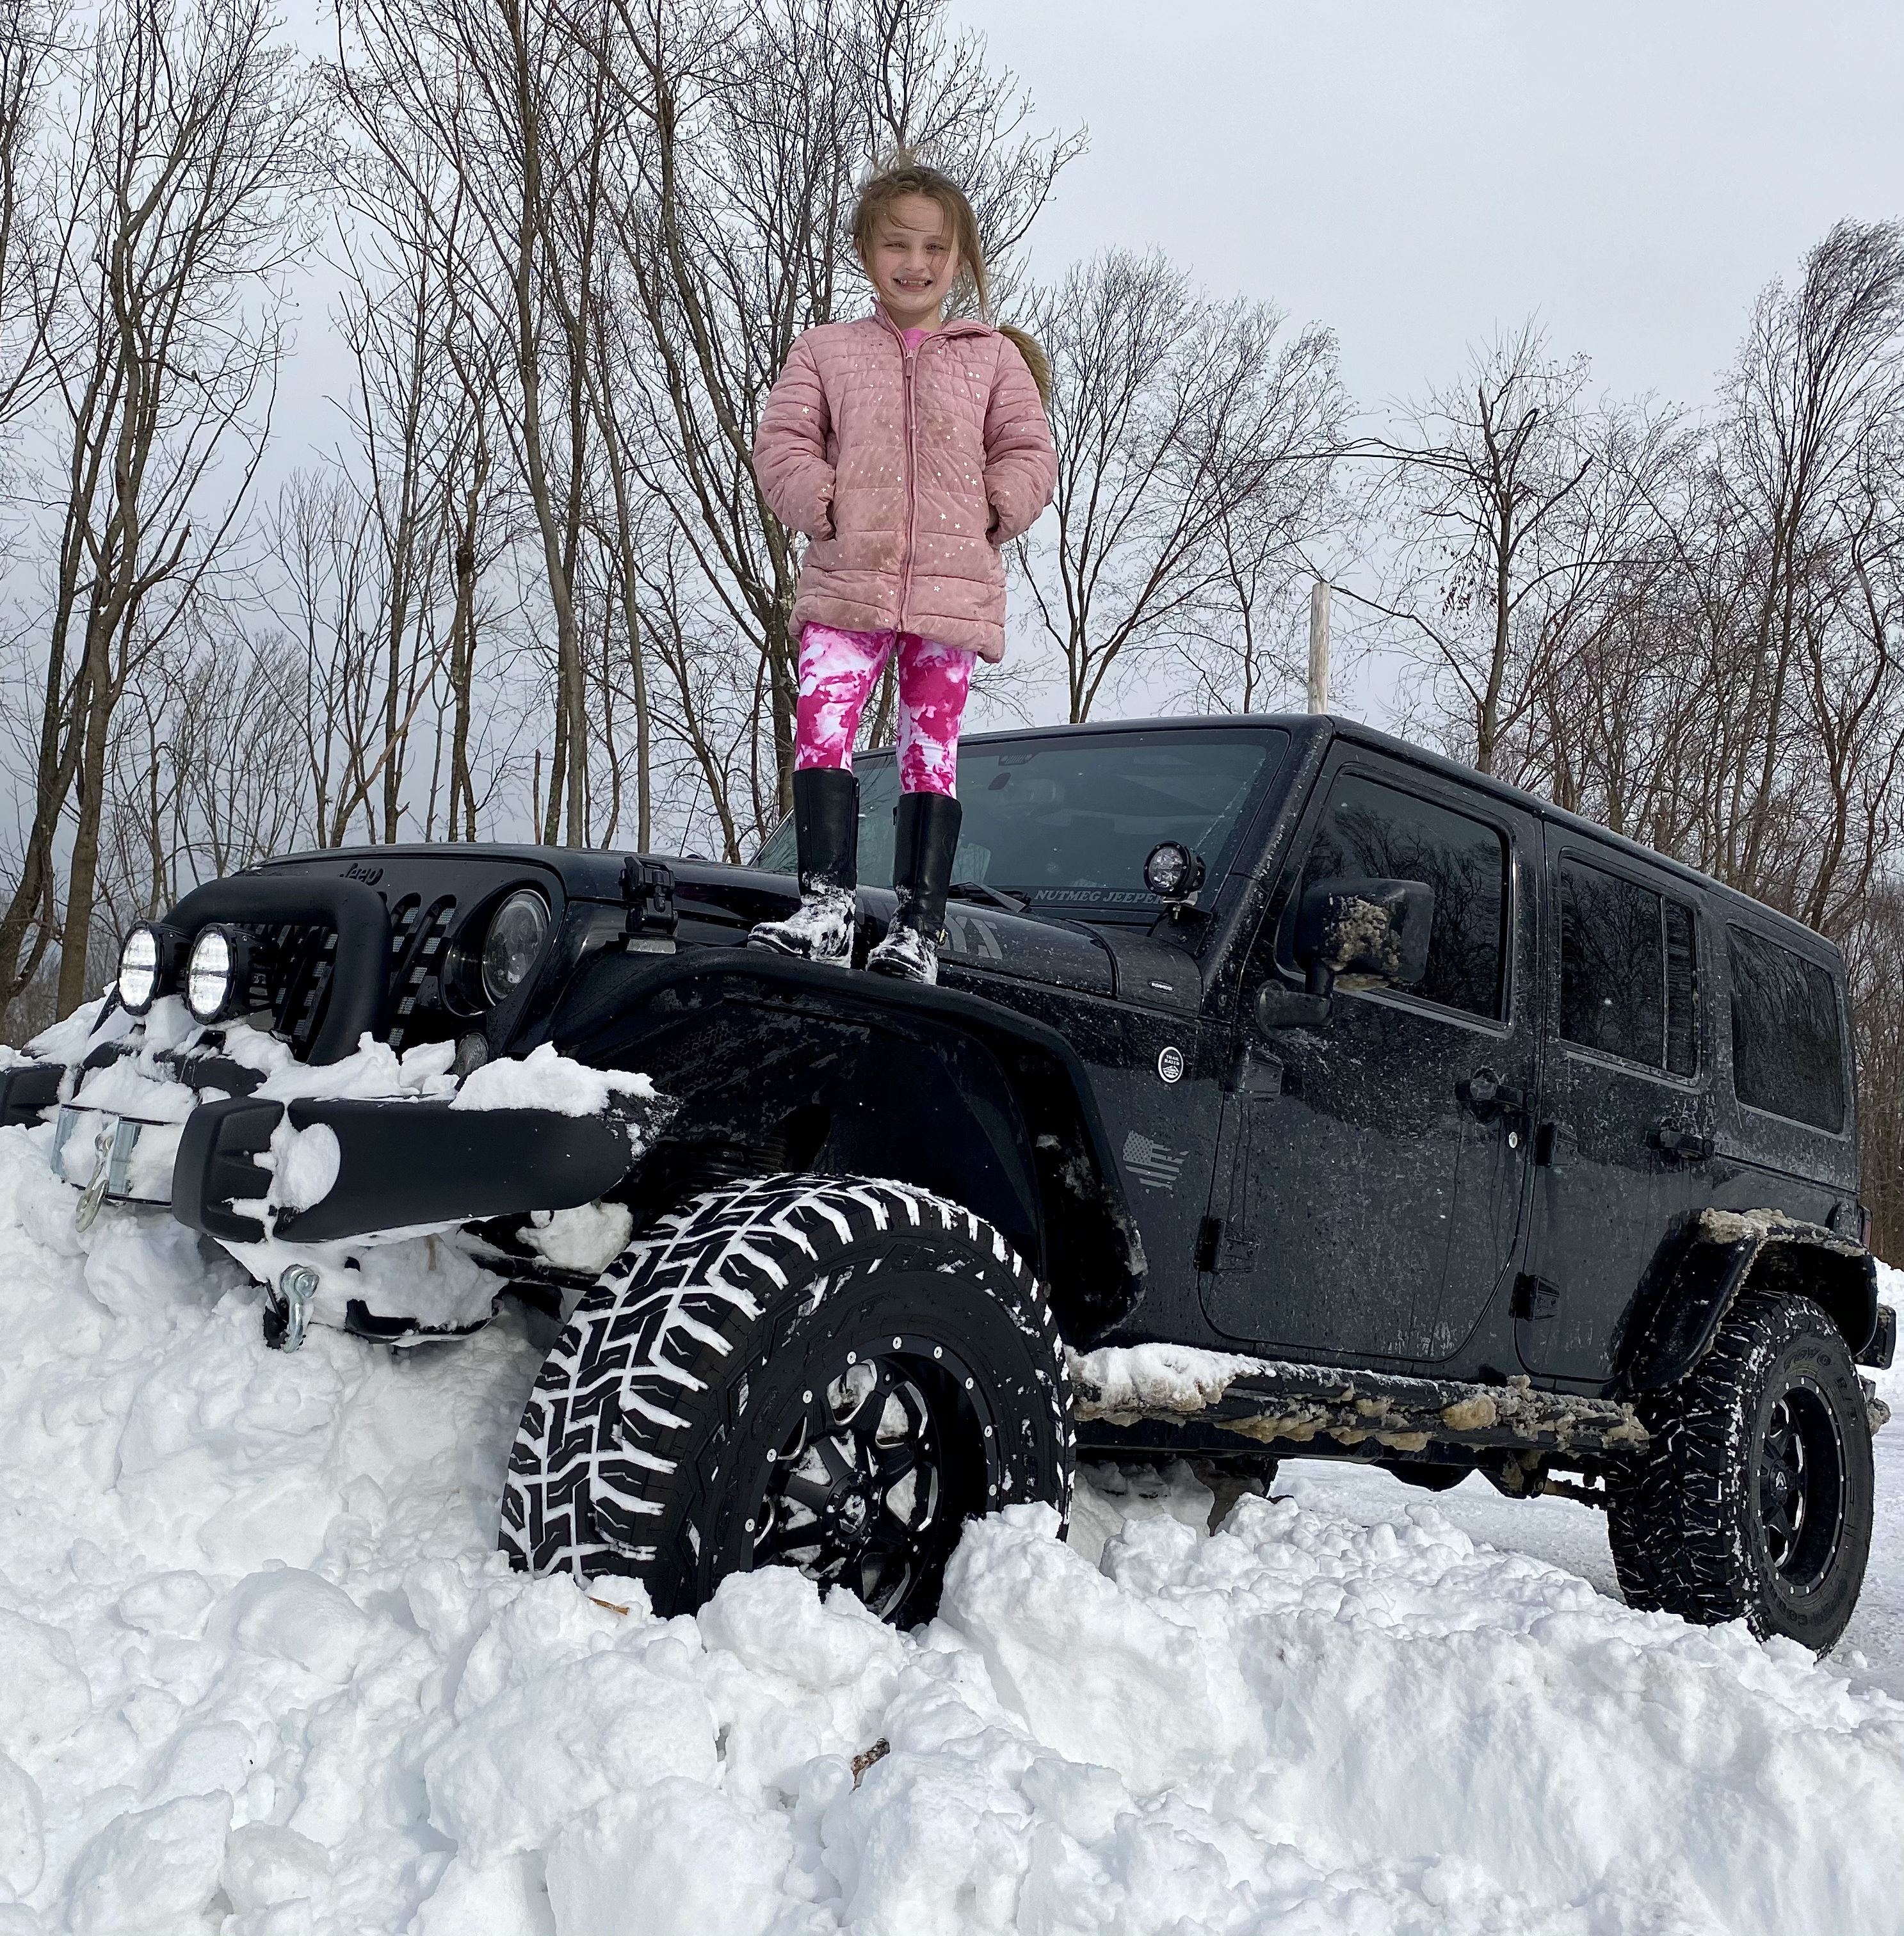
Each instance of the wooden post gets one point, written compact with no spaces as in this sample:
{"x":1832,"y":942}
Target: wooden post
{"x":1318,"y":646}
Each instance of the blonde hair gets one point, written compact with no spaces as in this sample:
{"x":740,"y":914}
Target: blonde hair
{"x":904,"y":175}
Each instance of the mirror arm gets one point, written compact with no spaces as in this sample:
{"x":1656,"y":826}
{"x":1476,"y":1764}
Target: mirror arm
{"x":1279,"y":1007}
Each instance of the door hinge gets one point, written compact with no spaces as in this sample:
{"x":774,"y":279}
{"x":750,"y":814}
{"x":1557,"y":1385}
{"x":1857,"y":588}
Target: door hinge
{"x":1535,"y":1298}
{"x":1209,"y":1234}
{"x":1220,"y":1246}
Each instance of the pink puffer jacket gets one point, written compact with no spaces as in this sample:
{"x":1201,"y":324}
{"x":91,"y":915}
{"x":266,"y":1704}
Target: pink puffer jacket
{"x":908,"y":472}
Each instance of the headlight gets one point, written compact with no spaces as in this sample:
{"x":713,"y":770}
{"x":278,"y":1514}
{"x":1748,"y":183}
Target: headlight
{"x":218,"y":971}
{"x":514,"y":944}
{"x":145,"y":956}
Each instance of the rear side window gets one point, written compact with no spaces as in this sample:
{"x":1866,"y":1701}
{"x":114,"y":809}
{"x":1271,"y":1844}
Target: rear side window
{"x":1788,"y":1048}
{"x":1629,"y":972}
{"x":1385,"y":834}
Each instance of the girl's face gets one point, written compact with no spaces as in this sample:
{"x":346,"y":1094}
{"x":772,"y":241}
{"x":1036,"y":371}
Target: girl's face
{"x":913,"y":262}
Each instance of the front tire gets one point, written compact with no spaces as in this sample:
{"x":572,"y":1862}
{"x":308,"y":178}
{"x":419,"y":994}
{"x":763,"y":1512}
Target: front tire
{"x":820,"y":1371}
{"x":1754,"y":1500}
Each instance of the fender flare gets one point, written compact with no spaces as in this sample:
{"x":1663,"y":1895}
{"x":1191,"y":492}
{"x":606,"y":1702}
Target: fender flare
{"x":1076,"y":1187}
{"x":1674,"y":1327}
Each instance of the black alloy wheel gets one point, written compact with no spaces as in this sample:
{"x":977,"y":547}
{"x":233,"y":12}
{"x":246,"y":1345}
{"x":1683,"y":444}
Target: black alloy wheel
{"x":1801,"y":1488}
{"x":1753,"y":1499}
{"x":822,"y":1372}
{"x":877,"y":1472}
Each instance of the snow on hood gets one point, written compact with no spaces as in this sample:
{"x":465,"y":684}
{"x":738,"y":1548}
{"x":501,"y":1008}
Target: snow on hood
{"x":265,"y":1672}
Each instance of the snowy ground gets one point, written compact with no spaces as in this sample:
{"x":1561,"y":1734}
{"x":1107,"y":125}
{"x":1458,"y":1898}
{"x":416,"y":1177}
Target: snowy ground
{"x":261,"y":1672}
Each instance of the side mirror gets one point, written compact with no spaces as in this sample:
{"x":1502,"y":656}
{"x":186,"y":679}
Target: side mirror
{"x":1367,"y":934}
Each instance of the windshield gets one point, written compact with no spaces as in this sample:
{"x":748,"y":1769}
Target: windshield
{"x":1071,"y":819}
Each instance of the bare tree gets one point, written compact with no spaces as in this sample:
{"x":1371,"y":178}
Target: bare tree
{"x":176,"y":191}
{"x":31,"y":56}
{"x":1474,"y":494}
{"x":1190,"y":434}
{"x":1693,"y":634}
{"x":30,"y":259}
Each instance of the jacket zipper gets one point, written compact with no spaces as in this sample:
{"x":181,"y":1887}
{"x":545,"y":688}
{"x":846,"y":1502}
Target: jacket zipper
{"x":906,"y":363}
{"x":906,"y":359}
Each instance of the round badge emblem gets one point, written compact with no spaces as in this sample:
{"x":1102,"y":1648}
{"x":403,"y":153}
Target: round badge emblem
{"x":1170,"y":1064}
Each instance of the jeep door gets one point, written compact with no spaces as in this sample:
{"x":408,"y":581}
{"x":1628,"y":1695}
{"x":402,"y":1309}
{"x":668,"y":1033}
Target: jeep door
{"x":1371,"y":1175}
{"x":1624,"y":1143}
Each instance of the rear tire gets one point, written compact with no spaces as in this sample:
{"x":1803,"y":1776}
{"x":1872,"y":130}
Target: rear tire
{"x":1754,"y":1500}
{"x":821,"y":1371}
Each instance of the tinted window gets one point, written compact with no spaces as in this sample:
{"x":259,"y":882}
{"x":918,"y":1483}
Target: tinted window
{"x":1387,"y":835}
{"x":1071,"y":819}
{"x":1787,"y":1056}
{"x":1628,"y":972}
{"x":1681,"y":991}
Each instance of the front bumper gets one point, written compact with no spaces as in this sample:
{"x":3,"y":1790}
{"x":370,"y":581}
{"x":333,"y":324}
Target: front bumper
{"x":402,"y":1164}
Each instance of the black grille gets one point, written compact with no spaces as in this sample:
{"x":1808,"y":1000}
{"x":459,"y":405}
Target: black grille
{"x":416,"y":947}
{"x":302,"y":954}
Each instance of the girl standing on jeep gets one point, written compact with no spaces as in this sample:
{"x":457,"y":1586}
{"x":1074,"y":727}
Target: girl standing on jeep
{"x":910,"y":449}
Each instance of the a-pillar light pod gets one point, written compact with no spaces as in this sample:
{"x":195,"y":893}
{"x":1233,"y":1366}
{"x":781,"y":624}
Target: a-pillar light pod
{"x":1172,"y":872}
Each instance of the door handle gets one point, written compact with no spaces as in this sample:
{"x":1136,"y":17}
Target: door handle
{"x":1678,"y":1143}
{"x":1485,"y":1096}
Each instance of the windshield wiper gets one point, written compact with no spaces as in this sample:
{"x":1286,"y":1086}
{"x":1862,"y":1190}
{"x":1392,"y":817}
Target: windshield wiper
{"x":977,"y":891}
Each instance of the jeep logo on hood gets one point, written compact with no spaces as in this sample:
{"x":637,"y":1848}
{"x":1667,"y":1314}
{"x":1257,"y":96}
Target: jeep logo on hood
{"x":357,"y":871}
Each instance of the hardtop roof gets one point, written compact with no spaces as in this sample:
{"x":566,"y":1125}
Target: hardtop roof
{"x":1305,"y":728}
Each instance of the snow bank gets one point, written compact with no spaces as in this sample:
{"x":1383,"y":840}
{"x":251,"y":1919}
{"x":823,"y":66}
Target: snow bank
{"x":262,"y":1673}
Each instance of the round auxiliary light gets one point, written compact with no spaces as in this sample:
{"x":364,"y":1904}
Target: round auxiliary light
{"x":139,"y":955}
{"x":1171,"y":871}
{"x":214,"y":973}
{"x":512,"y":944}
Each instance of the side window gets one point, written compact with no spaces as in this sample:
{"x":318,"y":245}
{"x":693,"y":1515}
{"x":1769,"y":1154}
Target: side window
{"x":1380,"y":832}
{"x":1788,"y":1052}
{"x":1629,"y":979}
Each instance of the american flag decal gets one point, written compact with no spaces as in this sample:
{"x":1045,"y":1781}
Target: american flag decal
{"x":1155,"y":1167}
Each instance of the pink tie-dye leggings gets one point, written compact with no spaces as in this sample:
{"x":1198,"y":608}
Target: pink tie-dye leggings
{"x":836,"y":672}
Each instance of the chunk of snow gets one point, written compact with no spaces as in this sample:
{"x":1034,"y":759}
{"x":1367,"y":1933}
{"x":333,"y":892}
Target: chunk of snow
{"x":589,"y":1238}
{"x":544,"y":1079}
{"x":306,"y":1164}
{"x":1169,"y":1377}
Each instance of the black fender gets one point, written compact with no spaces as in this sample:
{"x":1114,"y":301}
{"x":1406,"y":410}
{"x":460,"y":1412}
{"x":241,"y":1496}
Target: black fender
{"x":779,"y":1065}
{"x":1676,"y":1319}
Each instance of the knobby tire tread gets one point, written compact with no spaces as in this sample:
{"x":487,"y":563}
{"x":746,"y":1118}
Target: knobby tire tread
{"x":620,"y":1454}
{"x":1679,"y":1520}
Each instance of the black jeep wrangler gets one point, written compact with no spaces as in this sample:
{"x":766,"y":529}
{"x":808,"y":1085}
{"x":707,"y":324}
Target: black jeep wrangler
{"x":1418,"y":1123}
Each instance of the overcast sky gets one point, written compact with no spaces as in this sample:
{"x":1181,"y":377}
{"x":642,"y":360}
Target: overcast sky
{"x":1417,"y":173}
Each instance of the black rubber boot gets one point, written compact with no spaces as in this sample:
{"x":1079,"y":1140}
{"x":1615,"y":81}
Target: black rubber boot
{"x":826,"y":827}
{"x":925,"y":839}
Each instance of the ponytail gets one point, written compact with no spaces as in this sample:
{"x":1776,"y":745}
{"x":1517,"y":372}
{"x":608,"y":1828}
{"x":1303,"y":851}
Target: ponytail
{"x":1036,"y":361}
